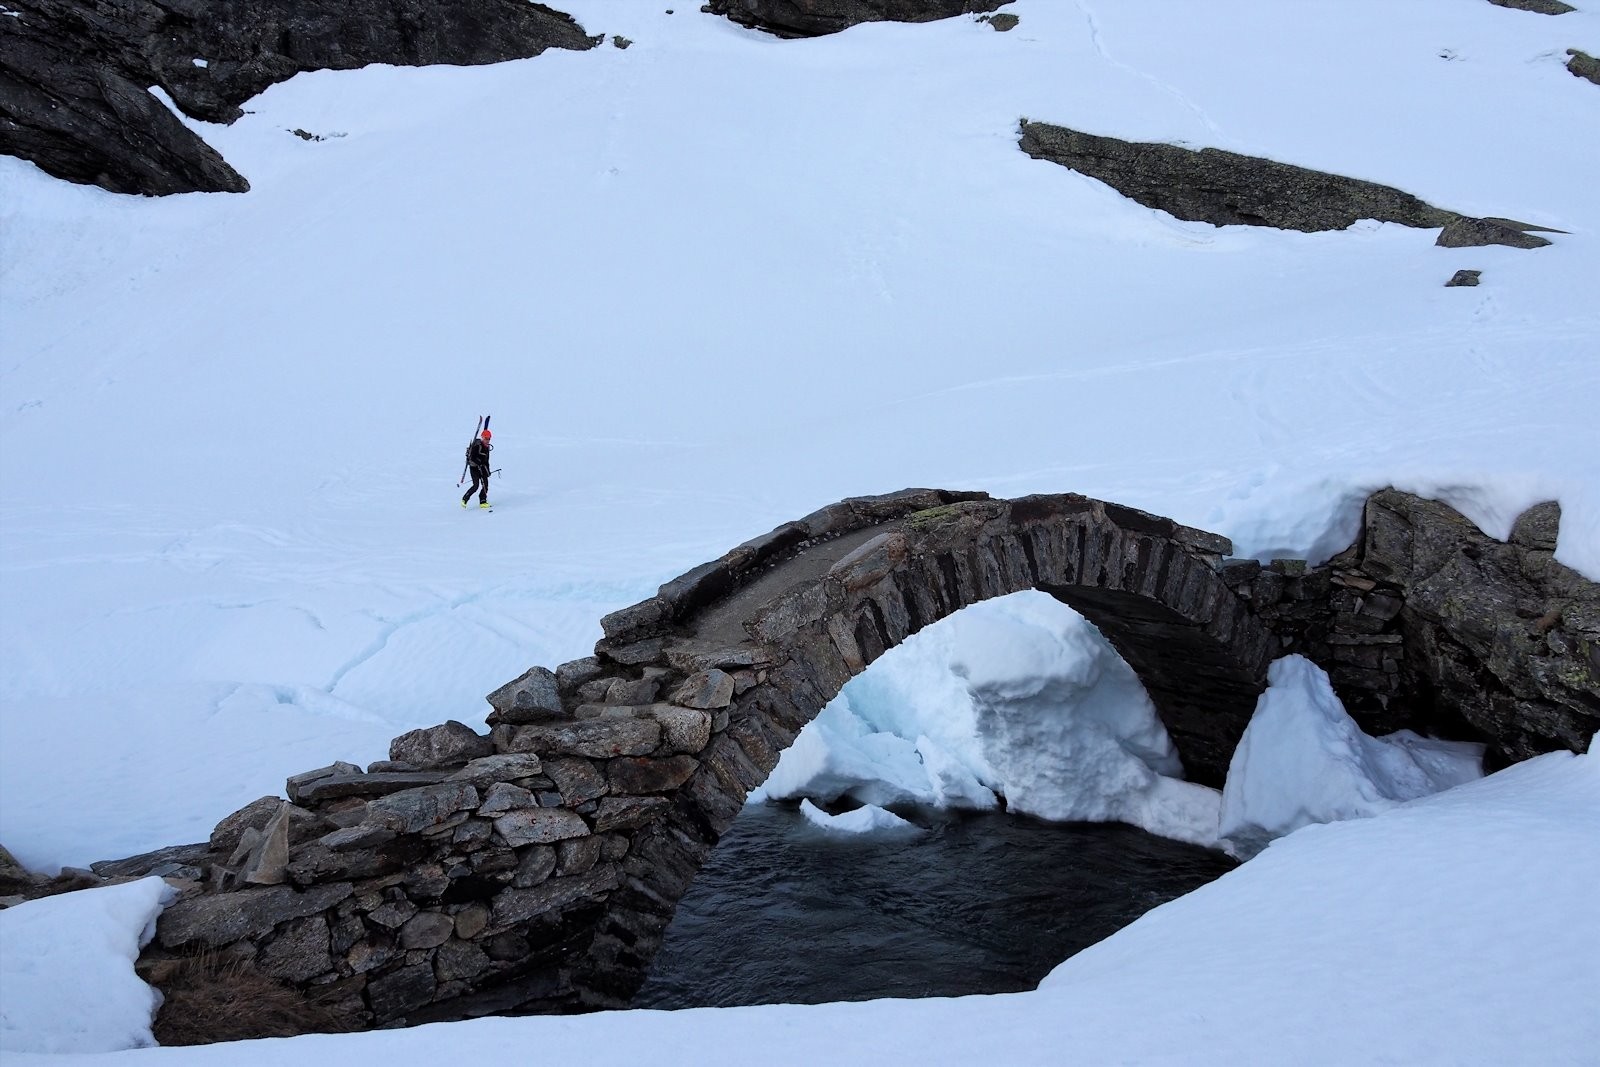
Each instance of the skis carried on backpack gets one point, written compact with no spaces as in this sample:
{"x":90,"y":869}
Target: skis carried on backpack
{"x":483,"y":424}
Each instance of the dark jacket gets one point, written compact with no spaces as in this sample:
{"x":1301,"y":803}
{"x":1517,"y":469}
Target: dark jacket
{"x":478,"y":454}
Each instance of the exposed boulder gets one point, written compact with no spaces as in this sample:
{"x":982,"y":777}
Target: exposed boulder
{"x":1229,"y":189}
{"x":74,"y":75}
{"x":1463,"y":277}
{"x":1538,"y":7}
{"x":1583,"y":65}
{"x":534,"y":695}
{"x":439,"y":746}
{"x":814,"y":18}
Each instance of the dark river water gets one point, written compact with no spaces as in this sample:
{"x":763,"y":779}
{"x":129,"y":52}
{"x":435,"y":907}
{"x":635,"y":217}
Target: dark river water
{"x":989,"y":903}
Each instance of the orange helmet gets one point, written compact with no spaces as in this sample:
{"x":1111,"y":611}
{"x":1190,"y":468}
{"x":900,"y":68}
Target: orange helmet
{"x":485,"y":435}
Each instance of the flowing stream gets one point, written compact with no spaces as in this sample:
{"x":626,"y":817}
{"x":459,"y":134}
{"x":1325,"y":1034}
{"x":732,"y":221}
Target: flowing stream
{"x":977,"y":903}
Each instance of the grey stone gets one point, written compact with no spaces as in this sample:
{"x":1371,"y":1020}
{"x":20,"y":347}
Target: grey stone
{"x":160,"y":863}
{"x":503,"y":797}
{"x":417,"y":809}
{"x":427,"y":929}
{"x":539,"y":826}
{"x":424,"y":881}
{"x":438,"y":746}
{"x":595,"y":738}
{"x":710,"y":689}
{"x":1582,"y":65}
{"x":471,"y":921}
{"x":632,"y":690}
{"x":685,"y":730}
{"x":223,"y":918}
{"x":632,"y":775}
{"x":300,"y":952}
{"x":266,"y":863}
{"x":371,"y":954}
{"x":392,"y":995}
{"x":1463,"y":277}
{"x":628,"y":813}
{"x":457,"y":960}
{"x":296,"y":782}
{"x":393,"y":914}
{"x":577,"y":779}
{"x":637,"y":620}
{"x":537,"y":864}
{"x":339,"y":786}
{"x":578,"y":855}
{"x":1463,"y":232}
{"x":533,"y":696}
{"x":354,"y":837}
{"x":254,"y":815}
{"x":514,"y":906}
{"x":576,"y":672}
{"x":504,"y":767}
{"x":472,"y":835}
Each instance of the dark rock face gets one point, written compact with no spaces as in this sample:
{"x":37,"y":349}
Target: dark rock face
{"x":74,"y":73}
{"x":1228,"y":189}
{"x":1427,"y":623}
{"x":1538,"y":7}
{"x":814,"y":18}
{"x":1583,"y":65}
{"x":1499,"y":634}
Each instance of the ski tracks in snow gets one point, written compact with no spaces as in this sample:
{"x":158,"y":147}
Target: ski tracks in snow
{"x":1096,"y":38}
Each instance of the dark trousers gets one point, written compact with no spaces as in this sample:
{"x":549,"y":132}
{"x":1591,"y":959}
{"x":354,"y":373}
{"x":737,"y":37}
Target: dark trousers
{"x":480,"y":485}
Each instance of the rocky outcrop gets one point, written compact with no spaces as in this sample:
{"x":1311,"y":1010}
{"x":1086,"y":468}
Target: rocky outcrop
{"x":1538,"y":7}
{"x":1429,"y":624}
{"x":815,"y":18}
{"x":1583,"y":65}
{"x":74,"y":74}
{"x":1229,"y":189}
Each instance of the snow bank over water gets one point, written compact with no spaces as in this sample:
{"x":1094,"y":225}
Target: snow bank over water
{"x":862,"y":820}
{"x":1303,"y":760}
{"x":66,"y":969}
{"x":1022,"y":698}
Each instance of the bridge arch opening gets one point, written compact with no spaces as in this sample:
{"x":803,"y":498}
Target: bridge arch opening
{"x":1010,"y":708}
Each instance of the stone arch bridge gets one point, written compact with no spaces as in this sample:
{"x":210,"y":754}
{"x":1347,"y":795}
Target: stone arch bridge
{"x":536,"y":869}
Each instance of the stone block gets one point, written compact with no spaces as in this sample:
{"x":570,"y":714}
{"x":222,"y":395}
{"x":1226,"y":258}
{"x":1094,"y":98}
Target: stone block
{"x":503,"y":797}
{"x":576,"y":672}
{"x":459,"y":960}
{"x":635,"y":775}
{"x":594,"y":738}
{"x":871,"y":562}
{"x":515,"y":906}
{"x":578,"y":855}
{"x":685,"y":730}
{"x":539,"y":826}
{"x":438,"y":746}
{"x":632,"y":690}
{"x":300,"y":952}
{"x":218,"y":919}
{"x":577,"y":779}
{"x":337,"y":786}
{"x":427,"y":929}
{"x":394,"y":994}
{"x":706,"y":690}
{"x":504,"y":767}
{"x":354,"y":837}
{"x":641,"y":619}
{"x":525,"y":699}
{"x":296,"y":782}
{"x":627,"y":813}
{"x":471,"y":921}
{"x":414,"y":810}
{"x":536,"y":865}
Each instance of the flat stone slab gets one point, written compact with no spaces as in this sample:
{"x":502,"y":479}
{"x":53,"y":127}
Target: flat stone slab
{"x":223,"y":918}
{"x":365,"y":785}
